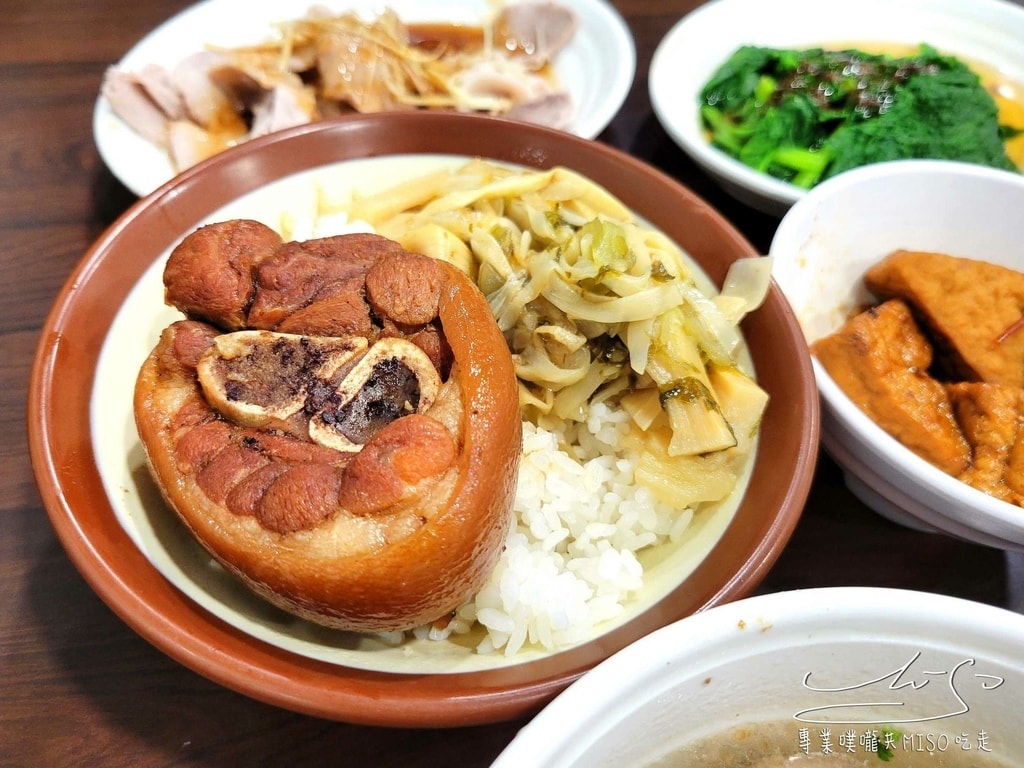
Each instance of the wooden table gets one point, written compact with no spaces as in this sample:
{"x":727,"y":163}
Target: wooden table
{"x":77,"y":686}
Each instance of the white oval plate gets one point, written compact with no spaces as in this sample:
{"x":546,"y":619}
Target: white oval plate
{"x":596,"y":67}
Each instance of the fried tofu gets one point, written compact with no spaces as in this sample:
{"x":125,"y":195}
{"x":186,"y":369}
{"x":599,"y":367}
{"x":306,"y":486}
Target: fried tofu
{"x":939,"y":365}
{"x":880,"y":359}
{"x":992,"y":419}
{"x":969,"y":309}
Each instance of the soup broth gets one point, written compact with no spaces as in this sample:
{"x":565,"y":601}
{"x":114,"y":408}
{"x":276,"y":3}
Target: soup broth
{"x":793,"y":744}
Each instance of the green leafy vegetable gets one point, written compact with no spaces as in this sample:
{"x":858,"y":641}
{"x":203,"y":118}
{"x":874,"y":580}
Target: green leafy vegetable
{"x":806,"y":115}
{"x":884,"y":750}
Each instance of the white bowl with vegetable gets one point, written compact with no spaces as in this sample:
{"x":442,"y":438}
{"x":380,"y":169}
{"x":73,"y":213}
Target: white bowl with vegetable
{"x":819,"y":677}
{"x":775,"y":172}
{"x":823,"y":249}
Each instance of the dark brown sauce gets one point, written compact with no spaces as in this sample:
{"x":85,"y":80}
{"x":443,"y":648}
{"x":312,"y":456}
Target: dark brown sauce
{"x":862,"y":83}
{"x":447,"y":38}
{"x":440,"y":38}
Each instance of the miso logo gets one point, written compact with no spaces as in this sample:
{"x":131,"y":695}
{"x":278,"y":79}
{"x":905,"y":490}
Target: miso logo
{"x":916,"y":691}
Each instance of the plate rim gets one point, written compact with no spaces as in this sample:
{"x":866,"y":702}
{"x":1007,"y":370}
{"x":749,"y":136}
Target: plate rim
{"x":73,"y":494}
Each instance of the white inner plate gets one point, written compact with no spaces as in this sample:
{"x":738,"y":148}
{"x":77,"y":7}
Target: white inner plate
{"x":173,"y":551}
{"x":596,"y":67}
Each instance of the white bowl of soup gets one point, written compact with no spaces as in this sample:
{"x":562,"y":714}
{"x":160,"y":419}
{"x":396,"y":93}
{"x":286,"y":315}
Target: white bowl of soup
{"x":839,"y":676}
{"x":984,"y":34}
{"x":962,"y":223}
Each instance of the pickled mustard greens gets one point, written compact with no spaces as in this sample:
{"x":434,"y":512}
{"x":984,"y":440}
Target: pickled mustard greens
{"x":596,"y":307}
{"x":806,"y":115}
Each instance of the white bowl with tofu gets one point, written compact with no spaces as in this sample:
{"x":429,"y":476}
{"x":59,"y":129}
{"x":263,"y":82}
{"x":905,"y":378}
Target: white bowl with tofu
{"x":822,"y":250}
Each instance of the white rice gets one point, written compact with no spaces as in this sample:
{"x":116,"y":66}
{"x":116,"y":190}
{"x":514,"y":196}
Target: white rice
{"x":570,"y":561}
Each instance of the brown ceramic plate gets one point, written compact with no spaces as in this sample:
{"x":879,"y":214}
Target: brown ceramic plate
{"x":134,"y":555}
